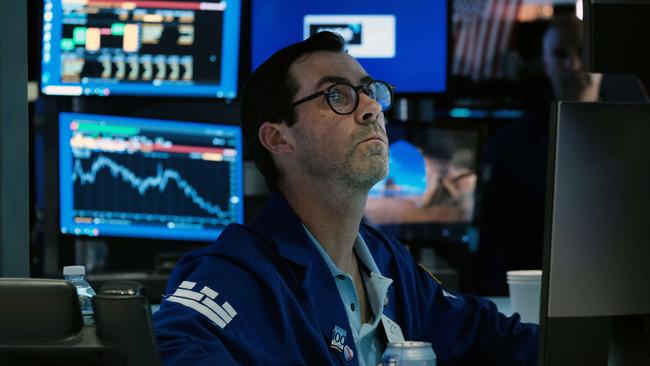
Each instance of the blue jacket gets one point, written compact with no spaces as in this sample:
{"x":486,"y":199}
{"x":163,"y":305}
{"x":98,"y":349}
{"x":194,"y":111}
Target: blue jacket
{"x":263,"y":295}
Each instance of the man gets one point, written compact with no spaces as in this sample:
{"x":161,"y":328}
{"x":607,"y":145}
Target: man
{"x":562,"y":57}
{"x":515,"y":164}
{"x":306,"y":284}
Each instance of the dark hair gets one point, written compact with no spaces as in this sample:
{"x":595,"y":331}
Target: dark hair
{"x":564,"y":23}
{"x":268,"y":93}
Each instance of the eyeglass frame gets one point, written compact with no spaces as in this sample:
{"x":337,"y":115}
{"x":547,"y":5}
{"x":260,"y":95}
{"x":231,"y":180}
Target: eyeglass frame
{"x":357,"y":89}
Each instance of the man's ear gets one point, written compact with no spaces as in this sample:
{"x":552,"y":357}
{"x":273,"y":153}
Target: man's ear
{"x":275,"y":137}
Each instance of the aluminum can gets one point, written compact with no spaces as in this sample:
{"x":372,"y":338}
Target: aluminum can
{"x":409,"y":354}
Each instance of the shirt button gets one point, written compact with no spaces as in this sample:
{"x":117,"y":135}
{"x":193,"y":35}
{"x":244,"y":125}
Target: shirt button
{"x":352,"y":306}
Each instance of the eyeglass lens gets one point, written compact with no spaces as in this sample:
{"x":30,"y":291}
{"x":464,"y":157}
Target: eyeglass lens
{"x":343,"y":97}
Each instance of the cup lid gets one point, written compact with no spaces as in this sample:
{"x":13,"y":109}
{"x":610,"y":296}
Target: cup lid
{"x":532,"y":273}
{"x":74,"y":270}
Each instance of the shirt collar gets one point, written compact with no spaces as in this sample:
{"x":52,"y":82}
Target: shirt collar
{"x":360,"y":248}
{"x":377,"y":284}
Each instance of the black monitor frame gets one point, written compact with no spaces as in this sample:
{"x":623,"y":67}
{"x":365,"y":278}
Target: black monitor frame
{"x":595,"y":304}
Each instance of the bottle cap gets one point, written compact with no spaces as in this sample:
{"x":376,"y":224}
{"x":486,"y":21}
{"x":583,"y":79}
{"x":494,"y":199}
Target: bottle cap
{"x":74,"y":270}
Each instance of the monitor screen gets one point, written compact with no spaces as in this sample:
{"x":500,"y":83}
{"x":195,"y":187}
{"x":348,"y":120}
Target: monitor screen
{"x":431,"y":179}
{"x":596,"y":236}
{"x":134,"y":177}
{"x":402,"y":42}
{"x":133,"y":47}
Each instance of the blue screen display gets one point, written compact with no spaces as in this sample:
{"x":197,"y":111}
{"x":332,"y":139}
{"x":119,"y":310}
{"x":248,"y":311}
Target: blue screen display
{"x":133,"y":177}
{"x":402,"y":42}
{"x":432,"y":178}
{"x":126,"y":47}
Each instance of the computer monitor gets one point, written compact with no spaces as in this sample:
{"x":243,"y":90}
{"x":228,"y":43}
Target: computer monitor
{"x":595,"y":291}
{"x":615,"y":35}
{"x":135,"y":177}
{"x":127,"y":47}
{"x":402,"y":42}
{"x":431,"y":185}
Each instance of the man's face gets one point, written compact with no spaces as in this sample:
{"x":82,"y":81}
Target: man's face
{"x":347,"y":150}
{"x":563,"y":66}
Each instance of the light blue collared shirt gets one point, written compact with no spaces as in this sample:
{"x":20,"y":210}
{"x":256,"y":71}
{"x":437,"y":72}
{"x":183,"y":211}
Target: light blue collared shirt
{"x":369,"y":343}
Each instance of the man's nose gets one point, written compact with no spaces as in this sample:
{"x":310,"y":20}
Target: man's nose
{"x":574,"y":61}
{"x":369,"y":109}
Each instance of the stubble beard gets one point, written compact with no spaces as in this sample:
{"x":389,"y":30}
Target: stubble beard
{"x":575,"y":86}
{"x":358,"y":170}
{"x":364,"y":171}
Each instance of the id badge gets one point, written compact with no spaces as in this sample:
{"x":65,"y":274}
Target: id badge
{"x":392,"y":330}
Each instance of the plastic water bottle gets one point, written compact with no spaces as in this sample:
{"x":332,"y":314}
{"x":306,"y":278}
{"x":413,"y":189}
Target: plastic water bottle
{"x":75,"y":274}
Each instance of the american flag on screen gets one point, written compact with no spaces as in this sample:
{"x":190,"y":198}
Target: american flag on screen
{"x":481,"y":31}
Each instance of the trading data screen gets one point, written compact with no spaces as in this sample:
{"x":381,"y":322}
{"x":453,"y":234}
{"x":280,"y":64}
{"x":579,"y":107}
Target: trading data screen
{"x":402,"y":42}
{"x":132,"y":177}
{"x":133,"y":47}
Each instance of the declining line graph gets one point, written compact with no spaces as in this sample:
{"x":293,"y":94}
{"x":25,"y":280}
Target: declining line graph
{"x":142,"y":184}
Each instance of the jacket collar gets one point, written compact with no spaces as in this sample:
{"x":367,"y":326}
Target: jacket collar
{"x":279,"y":222}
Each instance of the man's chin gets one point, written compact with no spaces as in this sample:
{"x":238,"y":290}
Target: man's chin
{"x":376,"y":176}
{"x":575,"y":86}
{"x":366,"y":178}
{"x":578,"y":95}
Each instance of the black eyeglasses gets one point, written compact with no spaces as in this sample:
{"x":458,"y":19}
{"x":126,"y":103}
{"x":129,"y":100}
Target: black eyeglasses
{"x":343,"y":98}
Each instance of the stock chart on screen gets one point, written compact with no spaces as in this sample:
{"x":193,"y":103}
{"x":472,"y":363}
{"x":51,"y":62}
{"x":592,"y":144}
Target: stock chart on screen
{"x":140,"y":47}
{"x":133,"y":177}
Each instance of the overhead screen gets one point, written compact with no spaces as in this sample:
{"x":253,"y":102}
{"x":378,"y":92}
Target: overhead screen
{"x":133,"y":177}
{"x":402,"y":42}
{"x":132,"y":47}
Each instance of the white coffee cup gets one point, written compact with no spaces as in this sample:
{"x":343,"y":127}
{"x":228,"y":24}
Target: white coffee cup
{"x":525,"y":294}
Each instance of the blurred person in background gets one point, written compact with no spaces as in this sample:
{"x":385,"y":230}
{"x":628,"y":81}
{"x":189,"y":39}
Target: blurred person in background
{"x":514,"y":179}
